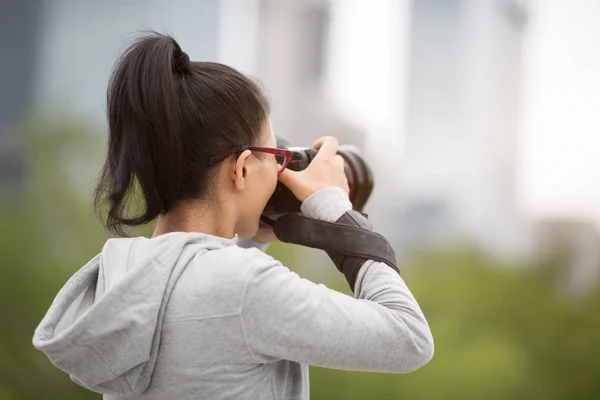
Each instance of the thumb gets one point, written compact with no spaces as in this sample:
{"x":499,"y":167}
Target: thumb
{"x":295,"y":182}
{"x":288,"y":177}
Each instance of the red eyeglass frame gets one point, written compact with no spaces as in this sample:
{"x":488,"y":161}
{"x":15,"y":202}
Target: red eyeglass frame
{"x":240,"y":149}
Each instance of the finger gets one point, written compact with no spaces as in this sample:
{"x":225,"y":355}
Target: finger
{"x":339,"y":161}
{"x":317,"y":144}
{"x":327,"y":146}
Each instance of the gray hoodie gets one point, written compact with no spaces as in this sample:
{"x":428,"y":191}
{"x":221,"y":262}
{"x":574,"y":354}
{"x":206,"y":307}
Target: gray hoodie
{"x":194,"y":316}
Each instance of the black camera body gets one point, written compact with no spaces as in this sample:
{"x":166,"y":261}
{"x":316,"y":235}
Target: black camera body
{"x":360,"y":180}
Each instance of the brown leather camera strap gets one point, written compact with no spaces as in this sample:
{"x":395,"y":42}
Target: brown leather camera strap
{"x":349,"y":242}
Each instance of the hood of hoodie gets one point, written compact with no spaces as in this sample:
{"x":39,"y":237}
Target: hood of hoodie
{"x":104,"y":326}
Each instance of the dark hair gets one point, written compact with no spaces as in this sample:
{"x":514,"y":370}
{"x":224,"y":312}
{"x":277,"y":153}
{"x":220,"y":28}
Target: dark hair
{"x":167,"y":117}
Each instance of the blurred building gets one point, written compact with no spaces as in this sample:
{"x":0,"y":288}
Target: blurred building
{"x":438,"y":94}
{"x":560,"y":167}
{"x":80,"y":41}
{"x":440,"y":74}
{"x":282,"y":43}
{"x":292,"y":58}
{"x":19,"y":33}
{"x":558,"y":147}
{"x":459,"y":168}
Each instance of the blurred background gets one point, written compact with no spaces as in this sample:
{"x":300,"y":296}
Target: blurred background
{"x":480,"y":119}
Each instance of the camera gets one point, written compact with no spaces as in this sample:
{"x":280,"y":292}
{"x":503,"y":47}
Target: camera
{"x":358,"y":173}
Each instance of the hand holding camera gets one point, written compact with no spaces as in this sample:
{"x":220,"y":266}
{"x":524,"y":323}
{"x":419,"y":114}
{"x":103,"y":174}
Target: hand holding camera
{"x":325,"y":170}
{"x":311,"y":170}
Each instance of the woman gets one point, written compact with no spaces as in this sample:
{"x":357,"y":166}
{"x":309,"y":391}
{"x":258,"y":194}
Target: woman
{"x":194,"y":312}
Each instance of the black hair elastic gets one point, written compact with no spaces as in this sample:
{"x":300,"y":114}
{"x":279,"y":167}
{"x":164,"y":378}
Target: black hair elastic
{"x":182,"y":61}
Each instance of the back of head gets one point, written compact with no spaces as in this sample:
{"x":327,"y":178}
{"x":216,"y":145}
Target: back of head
{"x":167,"y":117}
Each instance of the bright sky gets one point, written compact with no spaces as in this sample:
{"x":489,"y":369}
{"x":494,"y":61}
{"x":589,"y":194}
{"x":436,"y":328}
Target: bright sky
{"x":560,"y":153}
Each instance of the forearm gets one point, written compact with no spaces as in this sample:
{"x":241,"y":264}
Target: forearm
{"x":375,"y":281}
{"x":383,"y":329}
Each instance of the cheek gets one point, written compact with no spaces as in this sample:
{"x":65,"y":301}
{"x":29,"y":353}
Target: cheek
{"x":264,"y":183}
{"x":263,"y":187}
{"x":268,"y":173}
{"x":266,"y":187}
{"x":272,"y":178}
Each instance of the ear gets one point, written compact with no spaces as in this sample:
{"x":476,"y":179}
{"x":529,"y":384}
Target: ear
{"x":239,"y":172}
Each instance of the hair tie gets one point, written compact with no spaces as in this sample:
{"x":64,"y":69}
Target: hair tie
{"x":182,"y":61}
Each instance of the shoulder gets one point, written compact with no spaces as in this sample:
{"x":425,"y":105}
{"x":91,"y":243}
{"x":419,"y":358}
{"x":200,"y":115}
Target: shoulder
{"x":240,"y":261}
{"x":215,"y":281}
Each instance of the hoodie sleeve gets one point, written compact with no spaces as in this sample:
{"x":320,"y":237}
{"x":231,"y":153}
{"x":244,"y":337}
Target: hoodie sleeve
{"x":381,"y":329}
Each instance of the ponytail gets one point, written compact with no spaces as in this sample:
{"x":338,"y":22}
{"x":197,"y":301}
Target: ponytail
{"x":166,"y":117}
{"x":145,"y":135}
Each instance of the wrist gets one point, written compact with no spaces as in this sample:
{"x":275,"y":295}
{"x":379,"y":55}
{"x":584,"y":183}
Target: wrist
{"x":327,"y":204}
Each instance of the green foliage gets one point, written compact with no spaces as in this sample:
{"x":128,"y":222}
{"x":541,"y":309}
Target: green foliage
{"x":501,"y":331}
{"x":48,"y":232}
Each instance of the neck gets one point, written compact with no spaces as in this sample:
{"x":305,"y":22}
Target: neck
{"x":202,"y":217}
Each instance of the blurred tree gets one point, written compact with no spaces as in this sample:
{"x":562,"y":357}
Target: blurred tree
{"x":500,"y":333}
{"x":47,"y":235}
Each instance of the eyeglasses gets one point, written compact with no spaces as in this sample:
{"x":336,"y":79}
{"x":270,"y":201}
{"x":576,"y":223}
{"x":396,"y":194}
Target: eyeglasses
{"x":282,"y":156}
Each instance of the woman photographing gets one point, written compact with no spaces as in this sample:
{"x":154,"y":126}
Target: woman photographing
{"x":199,"y":311}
